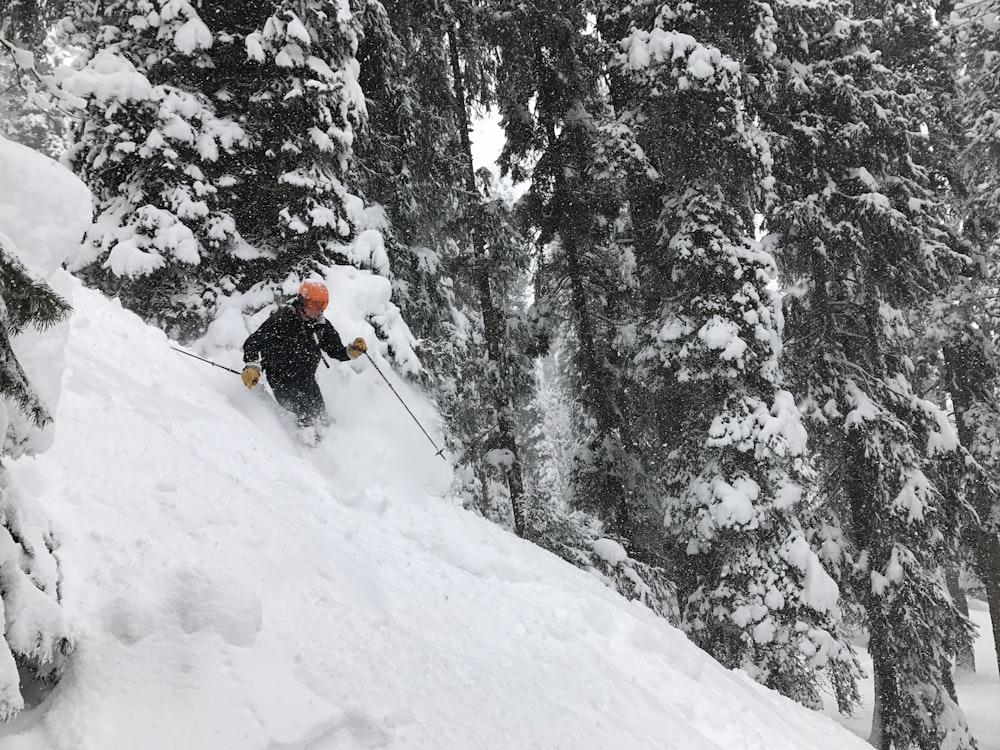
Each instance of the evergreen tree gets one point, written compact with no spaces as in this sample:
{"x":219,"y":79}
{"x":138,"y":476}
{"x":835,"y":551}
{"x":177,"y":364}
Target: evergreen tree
{"x":30,"y":110}
{"x":451,"y":243}
{"x":969,"y":372}
{"x":494,"y":258}
{"x":730,"y":455}
{"x":501,"y":367}
{"x":861,"y":245}
{"x":967,"y":314}
{"x":556,"y":116}
{"x":218,"y":147}
{"x":409,"y":151}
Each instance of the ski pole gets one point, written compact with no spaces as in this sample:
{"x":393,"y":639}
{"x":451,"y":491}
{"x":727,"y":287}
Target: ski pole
{"x":221,"y":367}
{"x":440,"y":451}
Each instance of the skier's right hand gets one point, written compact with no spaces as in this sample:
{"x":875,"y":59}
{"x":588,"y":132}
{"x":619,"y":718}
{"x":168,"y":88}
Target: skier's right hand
{"x":356,"y":348}
{"x":250,"y":375}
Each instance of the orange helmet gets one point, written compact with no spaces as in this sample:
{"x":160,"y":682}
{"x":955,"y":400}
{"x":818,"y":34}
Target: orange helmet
{"x":314,"y":296}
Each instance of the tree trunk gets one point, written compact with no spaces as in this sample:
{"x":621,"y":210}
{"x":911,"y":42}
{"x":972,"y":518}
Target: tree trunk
{"x":965,"y":378}
{"x":859,"y":480}
{"x":492,"y":321}
{"x":643,"y":194}
{"x":988,"y":563}
{"x":965,"y":656}
{"x":877,"y":736}
{"x":886,"y":698}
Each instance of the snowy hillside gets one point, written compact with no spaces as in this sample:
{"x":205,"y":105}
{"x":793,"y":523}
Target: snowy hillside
{"x":229,"y":589}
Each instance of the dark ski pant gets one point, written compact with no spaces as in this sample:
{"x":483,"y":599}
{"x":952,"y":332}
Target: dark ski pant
{"x":303,"y":399}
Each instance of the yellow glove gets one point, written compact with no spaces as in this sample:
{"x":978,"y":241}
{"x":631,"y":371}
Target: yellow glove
{"x":357,"y":348}
{"x":250,"y":375}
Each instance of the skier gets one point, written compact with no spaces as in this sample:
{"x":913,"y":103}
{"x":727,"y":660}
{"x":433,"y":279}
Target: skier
{"x":288,"y":347}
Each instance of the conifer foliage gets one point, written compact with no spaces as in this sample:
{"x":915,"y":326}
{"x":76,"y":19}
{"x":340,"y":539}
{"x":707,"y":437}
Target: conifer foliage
{"x":968,"y":312}
{"x":863,"y":246}
{"x":217,"y":147}
{"x":731,"y":461}
{"x":27,"y":302}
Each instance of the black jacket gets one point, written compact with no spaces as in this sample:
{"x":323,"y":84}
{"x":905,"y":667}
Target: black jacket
{"x":288,"y":348}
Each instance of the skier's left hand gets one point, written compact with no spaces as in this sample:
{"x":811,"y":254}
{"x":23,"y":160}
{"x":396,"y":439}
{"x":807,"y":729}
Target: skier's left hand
{"x":250,"y":375}
{"x":357,"y":348}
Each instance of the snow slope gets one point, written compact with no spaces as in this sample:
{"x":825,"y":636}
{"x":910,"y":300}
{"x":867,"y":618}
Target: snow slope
{"x":230,"y":589}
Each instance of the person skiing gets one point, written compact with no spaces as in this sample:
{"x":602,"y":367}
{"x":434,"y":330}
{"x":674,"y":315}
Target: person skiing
{"x":288,"y":347}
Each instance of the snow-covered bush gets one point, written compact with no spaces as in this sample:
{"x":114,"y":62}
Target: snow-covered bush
{"x":577,"y":537}
{"x":634,"y":579}
{"x":40,"y":226}
{"x":36,"y":637}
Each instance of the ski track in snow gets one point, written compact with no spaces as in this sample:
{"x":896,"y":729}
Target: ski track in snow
{"x":231,"y":589}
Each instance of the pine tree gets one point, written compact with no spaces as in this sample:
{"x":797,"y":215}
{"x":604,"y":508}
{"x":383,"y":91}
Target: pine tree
{"x":555,"y":115}
{"x":966,"y":329}
{"x":731,"y":451}
{"x":409,"y":150}
{"x":409,"y":161}
{"x":218,"y":147}
{"x":449,"y":238}
{"x":31,"y":114}
{"x":861,"y":245}
{"x":494,"y":256}
{"x":969,"y":370}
